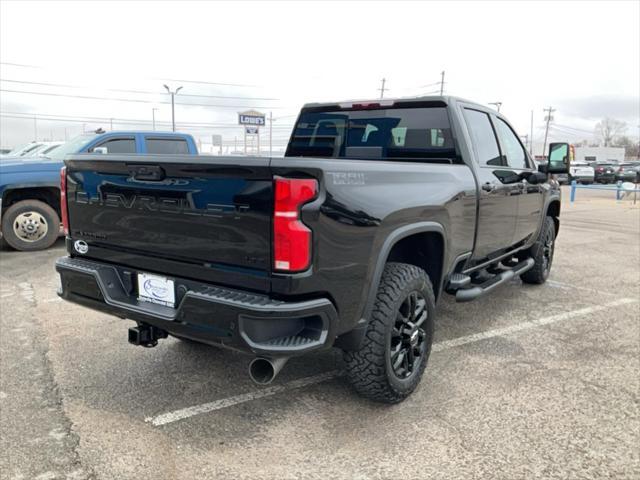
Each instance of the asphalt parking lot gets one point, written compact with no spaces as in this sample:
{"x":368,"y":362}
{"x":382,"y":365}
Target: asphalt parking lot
{"x":529,"y":382}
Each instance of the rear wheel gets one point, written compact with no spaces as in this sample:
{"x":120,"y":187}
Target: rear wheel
{"x":30,"y":225}
{"x":542,"y":254}
{"x":396,"y":347}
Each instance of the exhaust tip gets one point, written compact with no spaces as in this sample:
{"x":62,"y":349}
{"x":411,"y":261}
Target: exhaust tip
{"x":262,"y":371}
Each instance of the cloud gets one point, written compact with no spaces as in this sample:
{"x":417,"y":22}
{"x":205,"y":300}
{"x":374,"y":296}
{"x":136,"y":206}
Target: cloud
{"x":620,"y":107}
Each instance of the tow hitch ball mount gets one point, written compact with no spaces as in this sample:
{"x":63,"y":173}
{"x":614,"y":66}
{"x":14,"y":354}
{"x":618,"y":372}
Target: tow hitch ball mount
{"x":146,"y":335}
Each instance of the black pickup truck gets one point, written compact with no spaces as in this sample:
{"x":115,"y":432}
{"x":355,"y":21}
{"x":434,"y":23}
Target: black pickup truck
{"x":377,"y":209}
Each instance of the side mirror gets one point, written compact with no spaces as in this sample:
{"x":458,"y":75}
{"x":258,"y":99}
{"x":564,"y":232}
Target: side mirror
{"x":102,"y":150}
{"x":536,"y":178}
{"x":558,"y":158}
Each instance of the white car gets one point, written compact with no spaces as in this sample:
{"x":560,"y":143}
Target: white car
{"x":43,"y":149}
{"x":581,"y":172}
{"x":22,"y":150}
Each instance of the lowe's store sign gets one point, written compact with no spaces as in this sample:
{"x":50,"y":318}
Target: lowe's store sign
{"x":251,"y":118}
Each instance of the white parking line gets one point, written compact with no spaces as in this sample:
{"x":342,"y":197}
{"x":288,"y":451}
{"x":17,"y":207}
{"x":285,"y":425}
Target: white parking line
{"x":498,"y":332}
{"x":568,"y":286}
{"x":183,"y":413}
{"x":245,"y":397}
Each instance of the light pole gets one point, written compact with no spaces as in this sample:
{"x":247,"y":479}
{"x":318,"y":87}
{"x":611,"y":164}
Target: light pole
{"x":270,"y":134}
{"x":173,"y":113}
{"x":153,"y":117}
{"x":497,"y":104}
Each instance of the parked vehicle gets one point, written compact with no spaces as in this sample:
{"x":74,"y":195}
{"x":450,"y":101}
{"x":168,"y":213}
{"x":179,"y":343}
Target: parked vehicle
{"x":30,"y":187}
{"x":21,"y":150}
{"x":604,"y":172}
{"x":43,"y":150}
{"x":581,"y":172}
{"x":626,"y":172}
{"x":377,"y":209}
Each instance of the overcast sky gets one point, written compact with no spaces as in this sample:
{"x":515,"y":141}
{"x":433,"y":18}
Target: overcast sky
{"x":582,"y":58}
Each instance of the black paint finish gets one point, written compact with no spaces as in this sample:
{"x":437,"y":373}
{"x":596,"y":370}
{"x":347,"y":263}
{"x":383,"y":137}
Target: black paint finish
{"x":208,"y":219}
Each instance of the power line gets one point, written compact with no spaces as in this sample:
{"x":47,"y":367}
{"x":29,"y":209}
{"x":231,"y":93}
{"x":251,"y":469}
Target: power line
{"x":429,"y":85}
{"x":132,"y":100}
{"x":142,"y":92}
{"x":576,"y":129}
{"x":208,"y":83}
{"x":22,"y":65}
{"x":125,"y":121}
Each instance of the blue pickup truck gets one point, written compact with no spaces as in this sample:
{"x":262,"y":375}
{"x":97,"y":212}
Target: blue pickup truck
{"x":30,"y":187}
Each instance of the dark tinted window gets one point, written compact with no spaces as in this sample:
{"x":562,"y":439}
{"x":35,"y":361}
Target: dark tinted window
{"x":379,"y":134}
{"x":166,"y":146}
{"x":483,"y":137}
{"x":516,"y":157}
{"x":118,"y":145}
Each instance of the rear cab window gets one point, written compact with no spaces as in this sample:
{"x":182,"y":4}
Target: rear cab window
{"x":419,"y":132}
{"x":166,"y":146}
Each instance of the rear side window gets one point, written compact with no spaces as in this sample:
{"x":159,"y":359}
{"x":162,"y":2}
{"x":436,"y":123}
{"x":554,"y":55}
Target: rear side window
{"x":419,"y":133}
{"x":118,"y":145}
{"x":516,"y":157}
{"x":167,"y":146}
{"x":484,"y":138}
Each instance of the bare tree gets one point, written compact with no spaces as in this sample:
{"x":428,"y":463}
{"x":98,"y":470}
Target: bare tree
{"x":608,"y":129}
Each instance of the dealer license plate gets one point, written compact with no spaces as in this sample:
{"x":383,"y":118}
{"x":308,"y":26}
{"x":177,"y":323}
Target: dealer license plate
{"x":156,"y":289}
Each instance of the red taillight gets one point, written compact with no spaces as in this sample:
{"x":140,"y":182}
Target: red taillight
{"x":291,"y":237}
{"x":63,"y":200}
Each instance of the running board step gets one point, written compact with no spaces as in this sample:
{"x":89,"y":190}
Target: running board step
{"x":468,"y":294}
{"x":458,"y":281}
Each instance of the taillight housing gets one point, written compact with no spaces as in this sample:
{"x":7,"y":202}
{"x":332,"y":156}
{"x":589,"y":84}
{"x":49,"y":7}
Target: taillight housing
{"x":291,"y":237}
{"x":63,"y":200}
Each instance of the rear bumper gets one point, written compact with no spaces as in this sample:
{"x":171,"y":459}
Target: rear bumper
{"x":235,"y":319}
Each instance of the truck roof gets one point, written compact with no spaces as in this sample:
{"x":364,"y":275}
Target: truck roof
{"x":446,"y":99}
{"x":159,"y":133}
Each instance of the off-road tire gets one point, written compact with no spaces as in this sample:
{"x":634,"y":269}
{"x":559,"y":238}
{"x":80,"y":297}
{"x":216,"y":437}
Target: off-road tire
{"x":541,"y":268}
{"x":36,"y":207}
{"x":369,"y":369}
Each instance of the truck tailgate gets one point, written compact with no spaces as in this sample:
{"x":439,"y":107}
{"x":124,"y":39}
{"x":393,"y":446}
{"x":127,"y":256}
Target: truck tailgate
{"x":208,"y":217}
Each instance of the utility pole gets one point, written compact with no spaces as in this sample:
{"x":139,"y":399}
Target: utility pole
{"x":153,"y":117}
{"x":35,"y":127}
{"x":270,"y":134}
{"x":531,"y":136}
{"x":173,"y":111}
{"x":111,"y":124}
{"x":549,"y":111}
{"x":497,"y":104}
{"x":441,"y":83}
{"x":384,"y":80}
